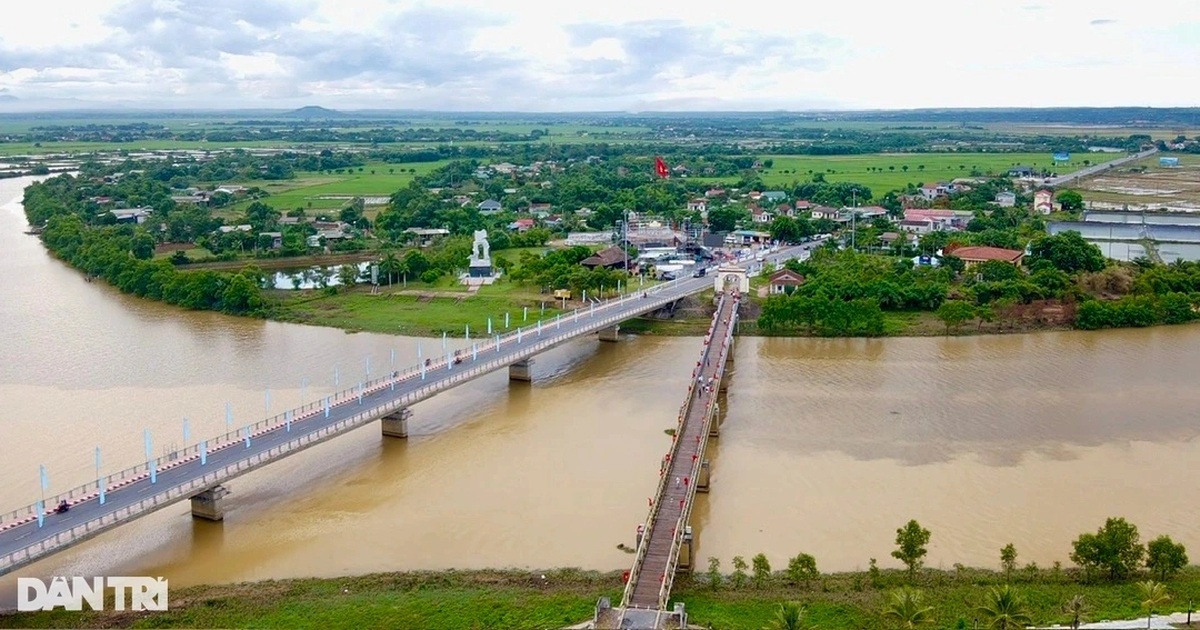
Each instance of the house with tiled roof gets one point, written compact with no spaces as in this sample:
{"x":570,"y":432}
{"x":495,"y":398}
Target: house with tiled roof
{"x":974,"y":255}
{"x":784,"y":281}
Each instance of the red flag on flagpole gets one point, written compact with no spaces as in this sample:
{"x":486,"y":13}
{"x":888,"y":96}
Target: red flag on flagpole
{"x":660,"y":167}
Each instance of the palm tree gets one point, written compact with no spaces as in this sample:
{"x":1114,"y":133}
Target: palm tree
{"x":905,"y":609}
{"x":1077,"y":609}
{"x":787,"y":617}
{"x":1004,"y":608}
{"x":1154,"y":594}
{"x":390,"y":265}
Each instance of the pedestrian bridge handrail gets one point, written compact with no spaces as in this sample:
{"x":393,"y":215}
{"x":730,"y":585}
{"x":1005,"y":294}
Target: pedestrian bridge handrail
{"x":656,"y":296}
{"x":643,"y":546}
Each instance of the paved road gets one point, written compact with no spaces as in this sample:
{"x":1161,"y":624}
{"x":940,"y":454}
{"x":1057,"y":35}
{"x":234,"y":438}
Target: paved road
{"x":1099,"y":168}
{"x":409,"y":388}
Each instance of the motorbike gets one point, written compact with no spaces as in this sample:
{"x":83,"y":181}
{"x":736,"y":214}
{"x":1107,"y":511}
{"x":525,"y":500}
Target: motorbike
{"x":62,"y":508}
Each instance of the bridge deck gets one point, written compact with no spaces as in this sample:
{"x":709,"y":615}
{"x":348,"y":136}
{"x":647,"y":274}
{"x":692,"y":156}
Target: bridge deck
{"x":656,"y":567}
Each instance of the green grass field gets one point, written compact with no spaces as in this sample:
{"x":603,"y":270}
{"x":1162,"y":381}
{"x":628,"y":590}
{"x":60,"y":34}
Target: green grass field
{"x":321,"y":191}
{"x":558,"y":598}
{"x":886,"y":171}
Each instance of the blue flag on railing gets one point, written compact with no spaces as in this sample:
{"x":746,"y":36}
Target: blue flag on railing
{"x":44,"y":477}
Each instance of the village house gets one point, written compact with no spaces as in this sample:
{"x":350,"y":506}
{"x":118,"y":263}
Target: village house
{"x":760,"y":215}
{"x":866,"y":212}
{"x":609,"y":258}
{"x":522,"y":225}
{"x":584,"y":213}
{"x":540,"y":210}
{"x":1043,"y":201}
{"x":328,"y":234}
{"x":697,"y":205}
{"x":714,"y":192}
{"x":775,"y":196}
{"x":426,"y":236}
{"x":275,"y":239}
{"x":920,"y":226}
{"x":785,"y":210}
{"x":896,"y":239}
{"x":784,"y":281}
{"x":489,"y":206}
{"x":804,"y":205}
{"x":825,"y":212}
{"x":933,"y":191}
{"x":972,"y":256}
{"x":1006,"y":199}
{"x":226,"y":229}
{"x":1020,"y":171}
{"x":132,"y":215}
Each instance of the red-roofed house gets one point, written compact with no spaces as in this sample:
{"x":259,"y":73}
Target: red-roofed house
{"x":972,"y":256}
{"x":522,"y":225}
{"x":784,"y":281}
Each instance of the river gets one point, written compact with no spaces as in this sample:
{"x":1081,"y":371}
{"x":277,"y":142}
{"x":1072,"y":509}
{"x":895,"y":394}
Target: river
{"x":828,"y":446}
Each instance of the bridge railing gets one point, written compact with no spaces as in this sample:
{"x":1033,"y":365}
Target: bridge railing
{"x":179,"y":491}
{"x":648,"y":526}
{"x":599,"y":317}
{"x":685,"y":514}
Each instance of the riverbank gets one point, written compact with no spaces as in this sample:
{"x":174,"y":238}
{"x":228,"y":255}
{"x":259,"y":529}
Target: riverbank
{"x":554,"y":599}
{"x":430,"y":311}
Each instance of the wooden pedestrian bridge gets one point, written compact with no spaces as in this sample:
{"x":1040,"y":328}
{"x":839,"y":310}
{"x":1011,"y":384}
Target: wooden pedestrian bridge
{"x":665,"y":540}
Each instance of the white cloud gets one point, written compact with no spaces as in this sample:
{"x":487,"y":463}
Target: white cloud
{"x":618,"y":54}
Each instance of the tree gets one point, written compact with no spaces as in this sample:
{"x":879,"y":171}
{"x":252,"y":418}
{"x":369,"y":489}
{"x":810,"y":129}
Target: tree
{"x":911,"y":541}
{"x":1154,"y":594}
{"x":1165,"y":557}
{"x":1114,"y":547}
{"x":1067,"y":251}
{"x":1077,"y":610}
{"x":1070,"y":200}
{"x":1008,"y":559}
{"x":954,"y":313}
{"x":722,"y":219}
{"x":348,"y":275}
{"x":762,"y":570}
{"x":142,"y":246}
{"x":714,"y":573}
{"x":802,"y":568}
{"x":739,"y":571}
{"x":906,"y":609}
{"x":788,"y":616}
{"x":1004,"y":608}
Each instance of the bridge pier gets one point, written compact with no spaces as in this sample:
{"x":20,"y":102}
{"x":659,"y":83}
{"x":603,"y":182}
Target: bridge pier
{"x":714,"y":427}
{"x":686,"y":547}
{"x":612,"y":333}
{"x":702,"y":479}
{"x":521,"y":371}
{"x":207,"y":504}
{"x":395,"y":424}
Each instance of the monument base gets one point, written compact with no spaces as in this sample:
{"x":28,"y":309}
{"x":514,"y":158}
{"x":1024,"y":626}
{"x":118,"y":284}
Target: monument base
{"x":480,"y":272}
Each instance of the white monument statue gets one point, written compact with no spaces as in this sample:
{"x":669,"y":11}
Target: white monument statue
{"x":481,"y":260}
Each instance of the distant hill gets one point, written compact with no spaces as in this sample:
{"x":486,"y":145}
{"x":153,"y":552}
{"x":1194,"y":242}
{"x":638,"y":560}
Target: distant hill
{"x":314,"y":111}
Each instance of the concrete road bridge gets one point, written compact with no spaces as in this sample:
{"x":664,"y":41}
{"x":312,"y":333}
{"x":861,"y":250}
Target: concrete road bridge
{"x":198,"y":473}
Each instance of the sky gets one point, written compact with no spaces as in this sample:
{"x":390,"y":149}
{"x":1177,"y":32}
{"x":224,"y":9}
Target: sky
{"x":606,"y":55}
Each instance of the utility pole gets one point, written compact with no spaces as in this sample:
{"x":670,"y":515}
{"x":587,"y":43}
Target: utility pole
{"x":854,"y":221}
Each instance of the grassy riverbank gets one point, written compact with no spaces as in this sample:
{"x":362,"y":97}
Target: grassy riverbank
{"x":522,"y":599}
{"x":428,"y":310}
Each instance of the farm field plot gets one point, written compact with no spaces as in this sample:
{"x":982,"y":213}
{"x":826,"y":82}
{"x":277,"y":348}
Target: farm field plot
{"x":324,"y":191}
{"x":1146,"y":185}
{"x":882,"y":172}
